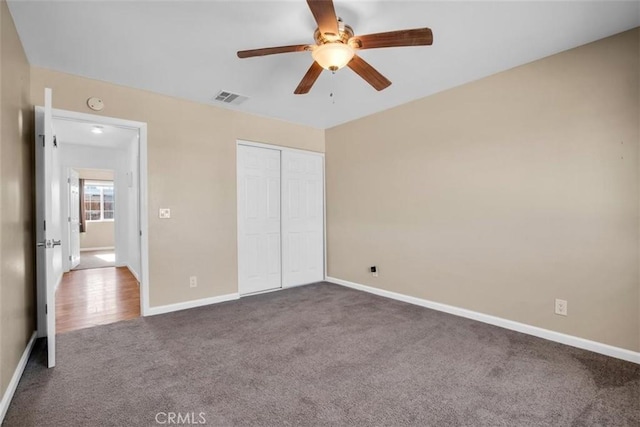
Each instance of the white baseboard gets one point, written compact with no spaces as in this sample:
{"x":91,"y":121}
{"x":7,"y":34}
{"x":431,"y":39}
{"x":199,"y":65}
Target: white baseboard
{"x":102,"y":248}
{"x":282,"y":288}
{"x":253,"y":294}
{"x":191,"y":304}
{"x":133,"y":272}
{"x":597,"y":347}
{"x":15,"y":379}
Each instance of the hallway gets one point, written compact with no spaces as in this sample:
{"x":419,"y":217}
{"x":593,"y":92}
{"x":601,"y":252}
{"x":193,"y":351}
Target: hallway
{"x":97,"y":296}
{"x":96,"y":259}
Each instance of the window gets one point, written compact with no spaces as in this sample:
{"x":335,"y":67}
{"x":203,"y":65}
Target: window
{"x":99,"y":203}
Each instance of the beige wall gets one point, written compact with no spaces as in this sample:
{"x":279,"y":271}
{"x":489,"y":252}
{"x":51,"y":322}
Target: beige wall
{"x":503,"y":194}
{"x":191,"y":169}
{"x":17,"y":289}
{"x":99,"y":234}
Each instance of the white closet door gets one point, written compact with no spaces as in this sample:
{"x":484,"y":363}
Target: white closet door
{"x":302,"y":218}
{"x":258,"y":219}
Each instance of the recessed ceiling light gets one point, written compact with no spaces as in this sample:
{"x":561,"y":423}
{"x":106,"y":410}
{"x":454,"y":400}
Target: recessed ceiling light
{"x":97,"y":129}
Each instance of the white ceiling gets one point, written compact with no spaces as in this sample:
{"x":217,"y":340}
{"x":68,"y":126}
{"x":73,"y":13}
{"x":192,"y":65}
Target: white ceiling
{"x":188,"y":49}
{"x":80,"y":133}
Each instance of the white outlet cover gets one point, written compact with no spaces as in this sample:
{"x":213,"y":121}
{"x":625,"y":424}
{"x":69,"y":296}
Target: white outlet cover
{"x":164,"y":213}
{"x":561,"y":307}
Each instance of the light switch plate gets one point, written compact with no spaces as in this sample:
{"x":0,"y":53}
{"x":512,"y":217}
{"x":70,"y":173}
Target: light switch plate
{"x":164,"y":213}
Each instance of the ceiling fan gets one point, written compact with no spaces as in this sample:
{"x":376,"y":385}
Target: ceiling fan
{"x":336,"y":47}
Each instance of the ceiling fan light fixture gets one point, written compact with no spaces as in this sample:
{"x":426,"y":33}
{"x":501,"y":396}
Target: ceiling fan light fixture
{"x":336,"y":44}
{"x":333,"y":56}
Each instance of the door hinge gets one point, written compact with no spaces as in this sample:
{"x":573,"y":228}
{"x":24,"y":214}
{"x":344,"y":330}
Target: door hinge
{"x":55,"y":142}
{"x":46,"y":309}
{"x":42,"y":136}
{"x":68,"y":180}
{"x":140,"y":233}
{"x":69,"y":257}
{"x":45,"y":225}
{"x":69,"y":220}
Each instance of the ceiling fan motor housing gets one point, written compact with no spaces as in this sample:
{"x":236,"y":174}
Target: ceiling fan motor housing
{"x":345,"y":32}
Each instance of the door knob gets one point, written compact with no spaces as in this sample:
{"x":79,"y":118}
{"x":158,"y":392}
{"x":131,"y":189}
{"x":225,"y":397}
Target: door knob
{"x":48,"y":243}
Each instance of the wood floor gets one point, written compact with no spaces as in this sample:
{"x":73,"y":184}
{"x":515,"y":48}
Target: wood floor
{"x":96,"y":259}
{"x":97,"y":296}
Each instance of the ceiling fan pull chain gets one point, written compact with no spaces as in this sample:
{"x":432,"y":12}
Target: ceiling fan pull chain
{"x":333,"y":98}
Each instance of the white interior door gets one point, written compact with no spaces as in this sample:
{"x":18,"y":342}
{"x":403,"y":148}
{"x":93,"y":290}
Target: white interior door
{"x":259,"y":248}
{"x":49,"y":252}
{"x":74,"y":218}
{"x":302,"y":218}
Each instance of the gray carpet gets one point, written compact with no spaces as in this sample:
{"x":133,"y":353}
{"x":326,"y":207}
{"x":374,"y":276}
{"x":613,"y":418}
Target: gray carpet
{"x":321,"y":355}
{"x":96,"y":259}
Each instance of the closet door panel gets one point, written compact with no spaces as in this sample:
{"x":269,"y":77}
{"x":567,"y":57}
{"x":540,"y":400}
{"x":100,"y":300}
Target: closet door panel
{"x":302,"y":218}
{"x":259,"y":239}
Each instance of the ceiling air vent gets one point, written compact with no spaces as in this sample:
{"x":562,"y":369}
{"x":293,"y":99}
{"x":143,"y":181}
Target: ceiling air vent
{"x":229,"y":97}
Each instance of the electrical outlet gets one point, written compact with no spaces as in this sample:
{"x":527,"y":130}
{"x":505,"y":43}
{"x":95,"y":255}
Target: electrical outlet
{"x":561,"y":307}
{"x":193,"y":281}
{"x":374,"y":270}
{"x":164,"y":213}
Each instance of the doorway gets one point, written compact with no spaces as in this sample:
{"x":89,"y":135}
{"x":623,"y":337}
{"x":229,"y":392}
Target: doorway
{"x":91,"y":218}
{"x":120,"y":291}
{"x":101,"y":254}
{"x":280,"y":217}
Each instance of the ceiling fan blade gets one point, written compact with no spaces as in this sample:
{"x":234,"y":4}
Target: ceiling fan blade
{"x":309,"y":79}
{"x":272,"y":50}
{"x":370,"y":74}
{"x":417,"y":37}
{"x":325,"y":15}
